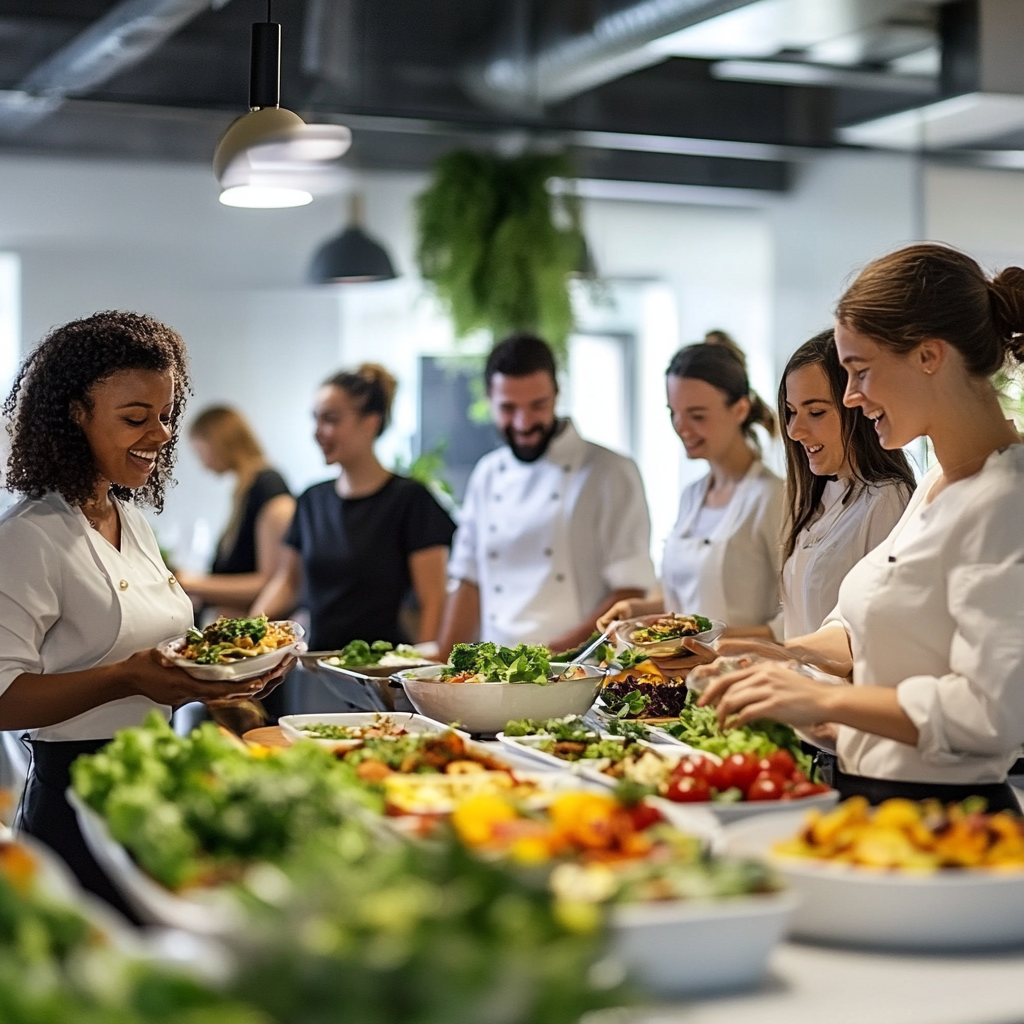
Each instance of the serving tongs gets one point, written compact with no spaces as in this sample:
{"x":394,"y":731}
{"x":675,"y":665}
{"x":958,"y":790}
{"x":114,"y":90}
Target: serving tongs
{"x":585,"y":653}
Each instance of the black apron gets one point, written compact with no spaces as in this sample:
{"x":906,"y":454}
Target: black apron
{"x":998,"y":795}
{"x":46,"y":815}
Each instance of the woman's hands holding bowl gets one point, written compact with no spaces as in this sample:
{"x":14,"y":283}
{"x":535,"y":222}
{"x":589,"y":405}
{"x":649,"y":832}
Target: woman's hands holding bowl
{"x":152,"y":675}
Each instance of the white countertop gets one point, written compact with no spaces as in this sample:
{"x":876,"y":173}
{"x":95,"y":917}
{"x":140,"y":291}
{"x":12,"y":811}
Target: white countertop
{"x":820,"y":985}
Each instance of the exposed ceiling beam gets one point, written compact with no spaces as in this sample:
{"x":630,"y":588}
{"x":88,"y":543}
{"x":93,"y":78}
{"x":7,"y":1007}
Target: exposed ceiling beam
{"x":123,"y":37}
{"x":514,"y":78}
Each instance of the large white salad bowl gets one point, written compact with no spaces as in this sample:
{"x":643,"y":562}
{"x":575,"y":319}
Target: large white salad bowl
{"x":487,"y":707}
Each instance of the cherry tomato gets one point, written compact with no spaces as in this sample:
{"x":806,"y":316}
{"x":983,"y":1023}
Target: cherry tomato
{"x":739,"y":770}
{"x":767,"y":786}
{"x":802,"y":789}
{"x":699,"y":768}
{"x":688,"y":789}
{"x":797,"y":776}
{"x":780,"y":761}
{"x":643,"y":816}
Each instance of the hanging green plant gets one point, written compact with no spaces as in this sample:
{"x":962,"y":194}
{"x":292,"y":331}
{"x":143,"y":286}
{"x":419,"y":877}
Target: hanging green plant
{"x":498,"y":247}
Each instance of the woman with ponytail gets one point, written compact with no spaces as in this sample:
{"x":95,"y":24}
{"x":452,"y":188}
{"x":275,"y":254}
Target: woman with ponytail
{"x":361,"y":542}
{"x":723,"y":557}
{"x":929,"y":627}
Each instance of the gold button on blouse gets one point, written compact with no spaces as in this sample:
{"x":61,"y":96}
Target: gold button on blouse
{"x":123,"y":584}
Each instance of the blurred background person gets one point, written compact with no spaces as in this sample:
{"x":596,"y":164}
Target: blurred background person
{"x":554,"y":529}
{"x":358,"y":543}
{"x":844,"y":491}
{"x":723,"y":557}
{"x":251,"y":546}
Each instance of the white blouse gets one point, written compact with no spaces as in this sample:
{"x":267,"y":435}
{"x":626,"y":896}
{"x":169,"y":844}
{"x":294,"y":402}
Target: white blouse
{"x":733,"y":574}
{"x":936,"y":612}
{"x":70,"y":600}
{"x":832,"y":544}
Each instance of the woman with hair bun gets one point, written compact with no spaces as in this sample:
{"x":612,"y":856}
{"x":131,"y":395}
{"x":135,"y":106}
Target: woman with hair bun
{"x":358,"y":544}
{"x":85,"y":596}
{"x":930,"y":625}
{"x":723,"y":556}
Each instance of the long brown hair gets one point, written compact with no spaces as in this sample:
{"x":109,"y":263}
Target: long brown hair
{"x":228,"y":432}
{"x":720,"y":366}
{"x":934,"y":291}
{"x":870,"y":463}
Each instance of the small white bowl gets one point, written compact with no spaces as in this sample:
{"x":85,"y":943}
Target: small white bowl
{"x":663,"y":648}
{"x":487,"y":707}
{"x":248,"y":668}
{"x":686,"y":947}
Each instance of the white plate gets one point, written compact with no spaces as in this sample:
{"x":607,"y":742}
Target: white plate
{"x":725,"y":812}
{"x":687,"y":947}
{"x":204,"y":912}
{"x":663,"y":648}
{"x":292,"y":725}
{"x":248,"y":668}
{"x":947,"y":910}
{"x":487,"y":707}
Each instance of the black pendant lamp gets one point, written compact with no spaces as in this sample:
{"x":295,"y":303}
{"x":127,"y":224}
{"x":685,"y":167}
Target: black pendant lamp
{"x":353,"y":257}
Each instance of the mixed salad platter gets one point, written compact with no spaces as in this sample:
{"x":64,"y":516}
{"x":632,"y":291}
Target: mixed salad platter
{"x":360,"y":656}
{"x":351,"y":730}
{"x":662,"y":635}
{"x":234,"y":649}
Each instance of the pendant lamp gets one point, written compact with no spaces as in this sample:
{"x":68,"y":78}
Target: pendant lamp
{"x":270,"y":157}
{"x":353,"y":257}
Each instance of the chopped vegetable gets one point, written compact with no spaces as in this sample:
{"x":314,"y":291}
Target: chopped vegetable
{"x":226,"y":641}
{"x":489,"y":663}
{"x":670,"y":627}
{"x":359,"y":653}
{"x":644,"y":697}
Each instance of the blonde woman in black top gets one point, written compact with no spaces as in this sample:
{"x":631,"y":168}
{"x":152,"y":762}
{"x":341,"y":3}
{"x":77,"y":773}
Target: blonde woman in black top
{"x":251,"y":546}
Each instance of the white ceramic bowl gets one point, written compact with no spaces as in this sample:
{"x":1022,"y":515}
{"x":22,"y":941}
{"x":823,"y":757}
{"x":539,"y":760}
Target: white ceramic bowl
{"x":292,"y":725}
{"x":663,"y":648}
{"x":486,"y":707}
{"x":688,"y":947}
{"x":947,"y":910}
{"x":248,"y":668}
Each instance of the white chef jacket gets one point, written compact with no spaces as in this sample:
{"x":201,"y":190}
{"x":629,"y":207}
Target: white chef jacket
{"x":733,"y":575}
{"x":547,"y":541}
{"x":70,"y":600}
{"x":936,"y":612}
{"x":832,"y":544}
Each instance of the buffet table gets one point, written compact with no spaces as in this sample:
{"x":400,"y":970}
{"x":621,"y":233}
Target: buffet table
{"x":810,"y":985}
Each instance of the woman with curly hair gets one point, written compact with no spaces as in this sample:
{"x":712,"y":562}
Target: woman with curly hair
{"x":84,"y":594}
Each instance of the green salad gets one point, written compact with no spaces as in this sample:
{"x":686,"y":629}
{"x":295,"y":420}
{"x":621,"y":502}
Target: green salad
{"x":194,"y":809}
{"x":572,"y":739}
{"x":700,"y":729}
{"x":359,"y":652}
{"x":670,"y":627}
{"x":489,"y":663}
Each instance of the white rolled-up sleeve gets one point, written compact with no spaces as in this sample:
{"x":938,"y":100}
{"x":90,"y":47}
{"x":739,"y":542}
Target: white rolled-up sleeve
{"x":30,"y":597}
{"x":463,"y":562}
{"x":626,"y":532}
{"x":978,"y":708}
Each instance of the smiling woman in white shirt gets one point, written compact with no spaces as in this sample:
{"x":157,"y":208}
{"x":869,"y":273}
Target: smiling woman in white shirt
{"x":930,"y":625}
{"x":84,"y":593}
{"x":723,"y":556}
{"x":844,"y":491}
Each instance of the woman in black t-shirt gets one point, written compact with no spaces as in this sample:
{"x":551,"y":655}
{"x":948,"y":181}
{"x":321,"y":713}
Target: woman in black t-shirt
{"x":360,"y":542}
{"x":250,"y":549}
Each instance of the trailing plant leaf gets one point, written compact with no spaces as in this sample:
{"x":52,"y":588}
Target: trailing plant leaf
{"x":498,"y":247}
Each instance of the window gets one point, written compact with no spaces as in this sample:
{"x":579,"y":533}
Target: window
{"x":601,"y":380}
{"x":10,"y":317}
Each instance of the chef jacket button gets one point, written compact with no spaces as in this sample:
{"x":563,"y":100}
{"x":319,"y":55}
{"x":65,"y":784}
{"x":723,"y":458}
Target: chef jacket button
{"x":497,"y":589}
{"x":171,"y":581}
{"x":492,"y":554}
{"x":497,"y":497}
{"x":560,"y":578}
{"x":567,"y":469}
{"x":548,"y":552}
{"x":554,"y":497}
{"x":493,"y":528}
{"x":123,"y":584}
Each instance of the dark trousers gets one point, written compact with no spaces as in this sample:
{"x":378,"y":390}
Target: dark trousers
{"x":46,"y":815}
{"x":999,"y":795}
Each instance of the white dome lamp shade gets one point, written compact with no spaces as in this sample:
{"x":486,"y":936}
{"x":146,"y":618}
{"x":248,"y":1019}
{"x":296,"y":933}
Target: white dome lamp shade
{"x":270,"y":158}
{"x":352,"y":257}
